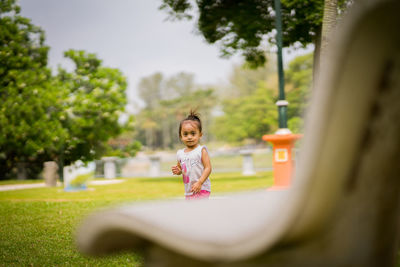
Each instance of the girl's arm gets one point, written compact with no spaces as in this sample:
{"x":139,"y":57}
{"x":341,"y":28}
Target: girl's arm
{"x":177,"y":170}
{"x":205,"y":159}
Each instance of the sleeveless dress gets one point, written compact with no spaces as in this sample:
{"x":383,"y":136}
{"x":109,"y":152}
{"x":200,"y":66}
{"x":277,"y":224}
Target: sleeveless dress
{"x":192,"y":168}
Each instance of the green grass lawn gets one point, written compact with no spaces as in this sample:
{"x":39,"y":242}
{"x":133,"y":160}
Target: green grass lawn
{"x":37,"y":226}
{"x":225,"y":162}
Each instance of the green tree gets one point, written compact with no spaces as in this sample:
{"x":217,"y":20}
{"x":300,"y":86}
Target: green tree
{"x":179,"y":85}
{"x":66,"y":118}
{"x":244,"y":81}
{"x":248,"y":117}
{"x":29,"y":101}
{"x":250,"y":113}
{"x":96,"y":99}
{"x":174,"y":97}
{"x":298,"y":83}
{"x":298,"y":86}
{"x":150,"y":90}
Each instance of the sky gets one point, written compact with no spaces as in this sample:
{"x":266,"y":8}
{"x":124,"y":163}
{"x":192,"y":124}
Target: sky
{"x":131,"y":35}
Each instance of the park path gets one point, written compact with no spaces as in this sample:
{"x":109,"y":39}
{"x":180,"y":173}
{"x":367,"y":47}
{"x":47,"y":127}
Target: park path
{"x":20,"y":186}
{"x":39,"y":185}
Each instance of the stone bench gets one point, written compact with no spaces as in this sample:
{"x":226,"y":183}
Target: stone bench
{"x":343,"y":206}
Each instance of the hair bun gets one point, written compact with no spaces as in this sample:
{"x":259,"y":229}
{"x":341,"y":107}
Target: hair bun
{"x":193,"y":115}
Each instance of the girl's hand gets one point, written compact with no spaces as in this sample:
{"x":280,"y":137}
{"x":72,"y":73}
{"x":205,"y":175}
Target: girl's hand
{"x":176,"y":170}
{"x":196,"y":187}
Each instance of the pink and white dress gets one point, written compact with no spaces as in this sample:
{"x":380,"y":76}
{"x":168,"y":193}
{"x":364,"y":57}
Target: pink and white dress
{"x":192,"y":168}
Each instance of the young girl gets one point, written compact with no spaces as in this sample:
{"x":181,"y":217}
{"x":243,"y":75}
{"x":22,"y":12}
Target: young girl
{"x":193,"y":161}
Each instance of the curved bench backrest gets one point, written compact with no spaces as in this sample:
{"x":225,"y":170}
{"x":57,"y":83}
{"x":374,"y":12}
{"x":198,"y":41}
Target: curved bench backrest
{"x":349,"y":169}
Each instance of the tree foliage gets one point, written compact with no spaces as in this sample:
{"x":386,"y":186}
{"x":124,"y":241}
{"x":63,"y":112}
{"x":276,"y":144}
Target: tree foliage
{"x":66,"y":118}
{"x":96,"y":99}
{"x":243,"y":25}
{"x":248,"y":117}
{"x":29,"y":102}
{"x":298,"y":85}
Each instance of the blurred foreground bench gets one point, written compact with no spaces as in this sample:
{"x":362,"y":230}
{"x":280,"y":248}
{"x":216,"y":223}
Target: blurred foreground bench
{"x":343,"y":207}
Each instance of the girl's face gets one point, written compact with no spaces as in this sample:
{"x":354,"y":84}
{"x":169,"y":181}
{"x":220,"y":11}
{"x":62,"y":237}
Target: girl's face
{"x":190,"y":134}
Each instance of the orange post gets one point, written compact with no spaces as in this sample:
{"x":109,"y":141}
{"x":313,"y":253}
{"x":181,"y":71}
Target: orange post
{"x":283,"y":160}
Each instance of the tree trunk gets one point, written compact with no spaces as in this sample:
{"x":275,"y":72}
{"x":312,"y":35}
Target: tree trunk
{"x":322,"y":39}
{"x":328,"y":26}
{"x":317,"y":55}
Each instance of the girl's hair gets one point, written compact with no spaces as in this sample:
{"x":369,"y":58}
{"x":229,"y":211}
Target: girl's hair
{"x":193,"y":116}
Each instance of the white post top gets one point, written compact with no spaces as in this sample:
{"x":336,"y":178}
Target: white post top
{"x":280,"y":103}
{"x":283,"y":131}
{"x":246,"y":151}
{"x":109,"y":158}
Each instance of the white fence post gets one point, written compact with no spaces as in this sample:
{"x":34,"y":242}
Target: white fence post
{"x":248,"y":166}
{"x":69,"y":175}
{"x":110,"y":169}
{"x":155,"y":166}
{"x":50,"y":173}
